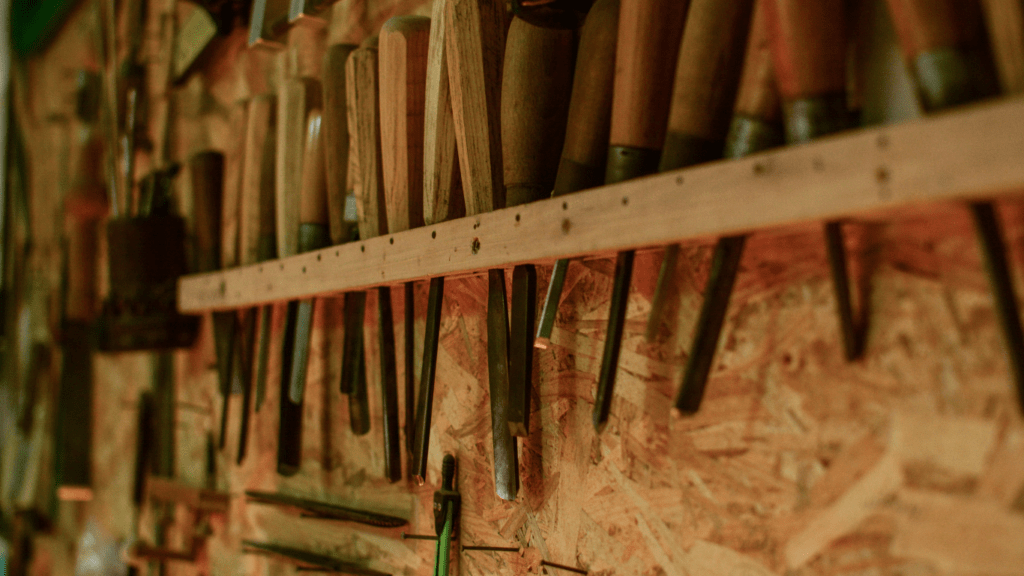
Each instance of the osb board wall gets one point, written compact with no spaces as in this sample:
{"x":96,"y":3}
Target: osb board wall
{"x":910,"y":461}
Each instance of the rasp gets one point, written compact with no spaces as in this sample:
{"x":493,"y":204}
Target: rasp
{"x":326,"y":510}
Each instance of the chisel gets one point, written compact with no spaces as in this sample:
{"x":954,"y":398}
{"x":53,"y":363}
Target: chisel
{"x":442,"y":200}
{"x":536,"y":82}
{"x":586,"y":137}
{"x":403,"y":70}
{"x":645,"y":59}
{"x":808,"y":43}
{"x":755,"y":126}
{"x":940,"y":48}
{"x":361,"y":82}
{"x":268,"y":22}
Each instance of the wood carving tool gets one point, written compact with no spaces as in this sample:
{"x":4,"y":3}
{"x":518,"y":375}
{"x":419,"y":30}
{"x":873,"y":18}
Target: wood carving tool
{"x":309,"y":560}
{"x":268,"y":22}
{"x":403,"y":69}
{"x":361,"y":83}
{"x":143,"y":448}
{"x":648,"y":46}
{"x":586,"y":138}
{"x":324,"y":510}
{"x":755,"y":126}
{"x":808,"y":42}
{"x":534,"y":104}
{"x":940,"y":48}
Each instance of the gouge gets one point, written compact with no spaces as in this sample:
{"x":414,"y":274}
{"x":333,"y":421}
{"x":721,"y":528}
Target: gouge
{"x":707,"y":75}
{"x":586,"y":137}
{"x":534,"y":104}
{"x":755,"y":126}
{"x":361,"y":76}
{"x":648,"y":46}
{"x":940,"y":48}
{"x":403,"y":70}
{"x":808,"y":42}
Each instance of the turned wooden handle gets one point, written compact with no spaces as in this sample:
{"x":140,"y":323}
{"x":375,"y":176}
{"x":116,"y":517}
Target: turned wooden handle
{"x":648,"y":47}
{"x":535,"y":88}
{"x":336,"y":137}
{"x":402,"y":49}
{"x":313,"y":197}
{"x":475,"y":44}
{"x":707,"y":76}
{"x":758,"y":94}
{"x":364,"y":133}
{"x":297,"y":97}
{"x":234,"y":158}
{"x":590,"y":106}
{"x":207,"y":172}
{"x":924,"y":25}
{"x":257,"y":195}
{"x":808,"y":40}
{"x":442,"y":182}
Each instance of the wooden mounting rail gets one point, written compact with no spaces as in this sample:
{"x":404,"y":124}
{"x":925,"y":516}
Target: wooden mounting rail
{"x":972,"y":152}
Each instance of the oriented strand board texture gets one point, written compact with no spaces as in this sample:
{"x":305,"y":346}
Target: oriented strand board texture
{"x":909,"y":462}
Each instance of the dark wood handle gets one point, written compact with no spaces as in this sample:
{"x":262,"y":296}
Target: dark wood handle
{"x":535,"y":87}
{"x":313,"y":197}
{"x":758,"y":94}
{"x":207,"y":172}
{"x":363,"y":113}
{"x":297,"y":97}
{"x":257,"y":196}
{"x":336,"y":137}
{"x":403,"y":75}
{"x":808,"y":39}
{"x":924,"y":25}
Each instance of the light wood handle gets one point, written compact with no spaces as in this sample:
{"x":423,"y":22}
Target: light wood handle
{"x":535,"y":87}
{"x":808,"y":39}
{"x":233,"y":161}
{"x":364,"y":132}
{"x":257,"y":202}
{"x":336,"y":137}
{"x":590,"y":107}
{"x":758,"y":94}
{"x":648,"y":47}
{"x":207,"y":172}
{"x":403,"y":45}
{"x":297,"y":97}
{"x":1005,"y":22}
{"x":707,"y":76}
{"x":442,"y":182}
{"x":313,"y":197}
{"x":475,"y":44}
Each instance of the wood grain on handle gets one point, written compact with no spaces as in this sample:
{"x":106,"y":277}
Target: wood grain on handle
{"x":207,"y":172}
{"x":707,"y":76}
{"x":535,"y":89}
{"x":1005,"y":22}
{"x":758,"y":93}
{"x":336,"y":137}
{"x":305,"y":52}
{"x":402,"y":49}
{"x":297,"y":97}
{"x":313,"y":197}
{"x":364,"y":133}
{"x":234,"y":158}
{"x":589,"y":118}
{"x":648,"y":47}
{"x":442,"y":181}
{"x":476,"y":43}
{"x":257,"y":195}
{"x":808,"y":39}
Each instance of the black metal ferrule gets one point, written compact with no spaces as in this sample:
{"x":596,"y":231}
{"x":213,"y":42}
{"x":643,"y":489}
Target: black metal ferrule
{"x":517,"y":194}
{"x":613,"y":339}
{"x":852,"y":337}
{"x":748,"y":135}
{"x":682,"y":150}
{"x":573,"y":177}
{"x":313,"y":236}
{"x":810,"y":118}
{"x":945,"y":78}
{"x":520,"y":367}
{"x":628,"y":162}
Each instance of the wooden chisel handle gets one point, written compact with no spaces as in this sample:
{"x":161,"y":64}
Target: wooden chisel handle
{"x":648,"y":47}
{"x":475,"y":43}
{"x":403,"y":72}
{"x":758,"y":111}
{"x":707,"y":76}
{"x":808,"y":40}
{"x":442,"y":181}
{"x":207,"y":171}
{"x":297,"y":97}
{"x":364,"y":131}
{"x":313,"y":194}
{"x":257,"y":221}
{"x":589,"y":117}
{"x":234,"y":158}
{"x":336,"y":137}
{"x":535,"y":86}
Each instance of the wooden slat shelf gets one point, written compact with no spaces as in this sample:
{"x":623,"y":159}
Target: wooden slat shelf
{"x":973,"y":152}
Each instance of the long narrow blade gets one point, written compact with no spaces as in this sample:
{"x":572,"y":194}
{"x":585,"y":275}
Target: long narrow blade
{"x":389,"y":386}
{"x":666,"y":281}
{"x":325,"y":510}
{"x":425,"y":405}
{"x":852,"y":341}
{"x":520,"y":368}
{"x":551,"y":301}
{"x":300,"y":359}
{"x":410,"y":369}
{"x":263,"y":354}
{"x":506,"y":461}
{"x":289,"y":434}
{"x":73,"y":456}
{"x":358,"y":400}
{"x":613,"y":339}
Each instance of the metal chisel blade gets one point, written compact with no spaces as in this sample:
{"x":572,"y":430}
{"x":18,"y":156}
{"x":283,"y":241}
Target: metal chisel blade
{"x":389,"y":386}
{"x":506,"y":461}
{"x":551,"y":301}
{"x":425,"y":404}
{"x":303,"y":330}
{"x":520,"y":369}
{"x":289,"y":438}
{"x":263,"y":354}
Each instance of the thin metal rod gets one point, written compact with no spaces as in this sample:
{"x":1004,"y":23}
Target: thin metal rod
{"x":407,"y":536}
{"x":852,"y":342}
{"x":425,"y":405}
{"x":563,"y":567}
{"x":613,"y":339}
{"x":389,"y":385}
{"x":490,"y":549}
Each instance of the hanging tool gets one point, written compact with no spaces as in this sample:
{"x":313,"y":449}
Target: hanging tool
{"x":447,"y":508}
{"x":564,"y":14}
{"x":755,"y":127}
{"x":403,"y":68}
{"x":268,"y":22}
{"x":536,"y":82}
{"x":310,"y":561}
{"x":586,"y":137}
{"x":648,"y":46}
{"x":324,"y":510}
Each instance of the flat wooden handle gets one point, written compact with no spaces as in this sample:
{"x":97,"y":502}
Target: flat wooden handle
{"x":442,"y":182}
{"x":808,"y":39}
{"x":364,"y":132}
{"x":313,"y":203}
{"x":402,"y":48}
{"x":475,"y":44}
{"x":535,"y":88}
{"x":296,"y":98}
{"x":708,"y":71}
{"x":758,"y":94}
{"x":207,"y":172}
{"x":233,"y":161}
{"x":648,"y":47}
{"x":336,"y":137}
{"x":257,"y":195}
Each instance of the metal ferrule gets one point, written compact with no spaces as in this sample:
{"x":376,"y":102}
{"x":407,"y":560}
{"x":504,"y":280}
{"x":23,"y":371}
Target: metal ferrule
{"x":944,"y":78}
{"x":627,"y":162}
{"x":517,"y":194}
{"x":573,"y":177}
{"x":810,"y":118}
{"x":313,"y":236}
{"x":682,"y":150}
{"x":266,"y":247}
{"x":748,"y":135}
